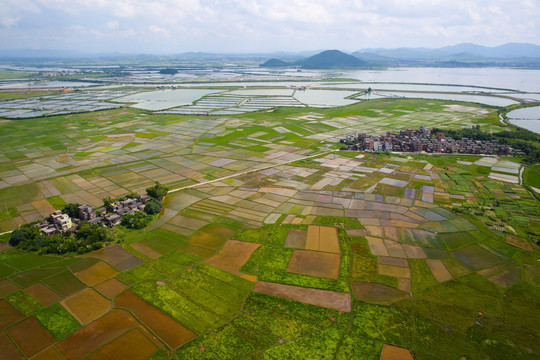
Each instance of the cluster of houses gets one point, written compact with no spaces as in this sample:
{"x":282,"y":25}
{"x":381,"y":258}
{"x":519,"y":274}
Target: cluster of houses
{"x":411,"y":140}
{"x":59,"y":222}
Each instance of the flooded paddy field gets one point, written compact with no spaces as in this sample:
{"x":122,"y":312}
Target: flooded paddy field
{"x":59,"y":104}
{"x":223,"y":94}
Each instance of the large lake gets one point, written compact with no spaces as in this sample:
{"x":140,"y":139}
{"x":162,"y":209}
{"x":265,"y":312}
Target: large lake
{"x":501,"y":78}
{"x":528,"y":118}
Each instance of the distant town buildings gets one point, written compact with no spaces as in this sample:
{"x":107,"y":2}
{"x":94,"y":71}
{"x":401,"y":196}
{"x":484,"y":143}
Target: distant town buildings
{"x":422,"y":139}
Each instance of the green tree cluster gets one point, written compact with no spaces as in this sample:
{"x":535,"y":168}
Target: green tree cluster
{"x":137,"y":220}
{"x":157,"y":191}
{"x":89,"y":237}
{"x":72,"y":210}
{"x":153,"y":207}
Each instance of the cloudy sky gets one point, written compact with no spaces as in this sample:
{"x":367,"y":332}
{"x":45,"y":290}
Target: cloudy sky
{"x":174,"y":26}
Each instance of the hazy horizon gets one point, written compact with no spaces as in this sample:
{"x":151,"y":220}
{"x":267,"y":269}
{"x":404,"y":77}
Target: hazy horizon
{"x":255,"y":26}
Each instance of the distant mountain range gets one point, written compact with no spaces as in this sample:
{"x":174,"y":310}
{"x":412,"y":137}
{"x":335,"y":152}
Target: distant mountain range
{"x":462,"y":55}
{"x":459,"y":52}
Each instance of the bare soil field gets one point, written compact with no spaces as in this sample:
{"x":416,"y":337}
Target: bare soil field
{"x":30,"y":336}
{"x":9,"y":350}
{"x":131,"y":345}
{"x":43,"y":294}
{"x":110,"y":288}
{"x":391,"y":352}
{"x":10,"y":315}
{"x":324,"y":298}
{"x":233,"y":256}
{"x":315,"y":263}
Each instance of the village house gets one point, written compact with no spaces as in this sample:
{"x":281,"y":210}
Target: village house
{"x":62,"y":221}
{"x":87,"y":212}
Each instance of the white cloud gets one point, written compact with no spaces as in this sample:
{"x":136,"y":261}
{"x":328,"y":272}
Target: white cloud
{"x":112,"y":25}
{"x":159,"y":31}
{"x":259,"y":25}
{"x":8,"y":22}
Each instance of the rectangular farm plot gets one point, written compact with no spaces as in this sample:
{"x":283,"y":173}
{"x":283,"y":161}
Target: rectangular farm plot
{"x":64,"y":283}
{"x":140,"y":247}
{"x":376,"y":245}
{"x":33,"y":276}
{"x":117,"y":257}
{"x":475,"y":257}
{"x":9,"y":350}
{"x":296,"y":239}
{"x":322,"y":238}
{"x":315,"y":263}
{"x":87,"y":305}
{"x":110,"y":288}
{"x":7,"y":287}
{"x":394,"y":182}
{"x":324,"y":298}
{"x":233,"y":256}
{"x":395,"y":271}
{"x":10,"y":315}
{"x":98,"y":333}
{"x":211,"y":236}
{"x":96,"y":274}
{"x":48,"y":354}
{"x":43,"y":294}
{"x":166,"y":328}
{"x":439,"y":270}
{"x":30,"y":336}
{"x":132,"y":345}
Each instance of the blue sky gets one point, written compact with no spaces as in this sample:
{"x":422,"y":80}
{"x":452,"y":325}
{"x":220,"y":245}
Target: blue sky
{"x":175,"y":26}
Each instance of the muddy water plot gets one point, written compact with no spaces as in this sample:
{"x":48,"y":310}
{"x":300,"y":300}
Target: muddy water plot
{"x":36,"y":342}
{"x":166,"y":328}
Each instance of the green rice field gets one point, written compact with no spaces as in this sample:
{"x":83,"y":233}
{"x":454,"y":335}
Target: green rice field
{"x":272,"y":244}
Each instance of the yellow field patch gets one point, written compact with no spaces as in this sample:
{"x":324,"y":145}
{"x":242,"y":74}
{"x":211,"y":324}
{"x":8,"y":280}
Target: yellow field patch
{"x":87,"y":305}
{"x":96,"y":274}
